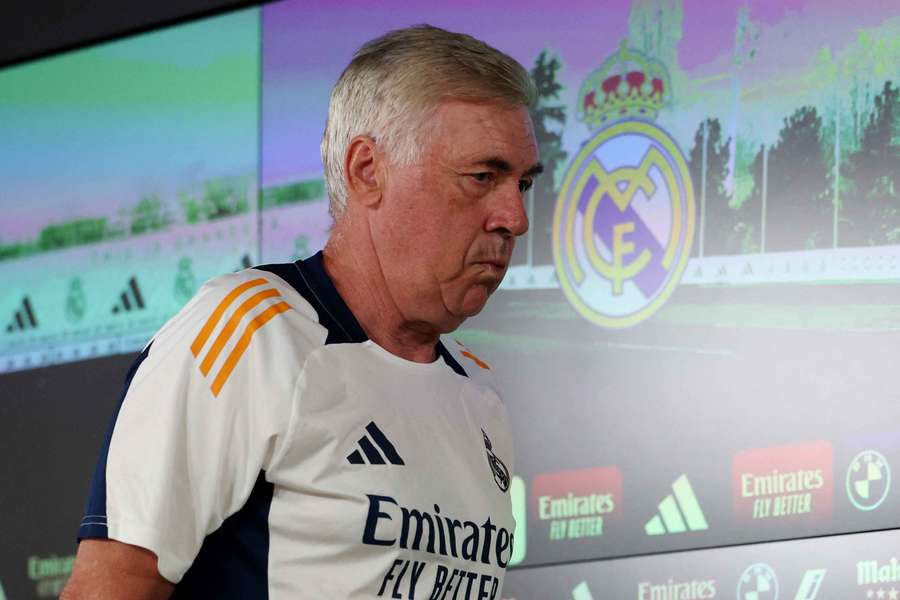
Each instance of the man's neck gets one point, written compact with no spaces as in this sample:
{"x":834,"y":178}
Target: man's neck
{"x":362,"y":287}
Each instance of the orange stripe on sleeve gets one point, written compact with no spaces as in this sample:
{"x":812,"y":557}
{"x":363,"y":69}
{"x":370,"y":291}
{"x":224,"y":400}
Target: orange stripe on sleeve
{"x":238,"y":351}
{"x":214,"y":318}
{"x":231,"y":325}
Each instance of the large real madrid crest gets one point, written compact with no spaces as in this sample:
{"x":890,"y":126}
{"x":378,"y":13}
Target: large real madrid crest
{"x":624,"y":218}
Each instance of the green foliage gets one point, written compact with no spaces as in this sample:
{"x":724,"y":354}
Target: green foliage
{"x":148,"y":215}
{"x":799,"y":209}
{"x":72,"y":233}
{"x":549,"y":117}
{"x":221,"y":198}
{"x":745,"y":154}
{"x":192,"y":209}
{"x":292,"y":193}
{"x":726,"y":231}
{"x":871,"y":206}
{"x":9,"y":251}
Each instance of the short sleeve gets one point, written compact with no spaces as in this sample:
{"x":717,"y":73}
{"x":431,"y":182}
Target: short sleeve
{"x":206,"y":408}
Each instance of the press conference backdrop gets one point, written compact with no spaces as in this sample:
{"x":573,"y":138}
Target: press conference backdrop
{"x":697,"y":338}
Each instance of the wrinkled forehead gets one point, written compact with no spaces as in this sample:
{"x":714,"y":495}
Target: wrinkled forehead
{"x":465,"y":131}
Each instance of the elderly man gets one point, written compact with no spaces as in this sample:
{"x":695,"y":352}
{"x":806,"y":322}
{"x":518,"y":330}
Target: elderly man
{"x":302,"y":430}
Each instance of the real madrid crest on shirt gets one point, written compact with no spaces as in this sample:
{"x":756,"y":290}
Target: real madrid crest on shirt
{"x":501,"y":473}
{"x":624,"y":218}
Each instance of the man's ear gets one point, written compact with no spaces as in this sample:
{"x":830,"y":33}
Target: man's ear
{"x":361,"y":165}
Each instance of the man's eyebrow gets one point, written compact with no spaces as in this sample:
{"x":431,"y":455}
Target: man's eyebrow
{"x":535,"y":169}
{"x":499,"y":164}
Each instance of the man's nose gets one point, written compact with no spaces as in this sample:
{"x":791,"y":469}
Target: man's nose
{"x":508,"y":215}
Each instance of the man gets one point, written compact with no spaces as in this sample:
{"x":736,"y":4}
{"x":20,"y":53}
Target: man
{"x":302,"y":430}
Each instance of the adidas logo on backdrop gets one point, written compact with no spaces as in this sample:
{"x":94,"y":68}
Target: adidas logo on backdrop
{"x":678,"y":512}
{"x":23,"y":319}
{"x":130,"y":299}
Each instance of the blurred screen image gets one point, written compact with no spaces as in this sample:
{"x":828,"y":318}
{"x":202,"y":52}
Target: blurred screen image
{"x":697,"y":337}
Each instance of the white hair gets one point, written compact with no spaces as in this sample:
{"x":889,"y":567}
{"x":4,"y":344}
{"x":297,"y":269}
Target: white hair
{"x":393,"y":83}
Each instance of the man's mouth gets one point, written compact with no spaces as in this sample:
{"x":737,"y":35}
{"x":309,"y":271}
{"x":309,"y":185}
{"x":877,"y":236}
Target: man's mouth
{"x":494,"y":266}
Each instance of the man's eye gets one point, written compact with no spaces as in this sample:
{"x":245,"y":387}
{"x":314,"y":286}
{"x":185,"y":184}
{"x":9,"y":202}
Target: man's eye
{"x":483,"y":177}
{"x":525,"y":185}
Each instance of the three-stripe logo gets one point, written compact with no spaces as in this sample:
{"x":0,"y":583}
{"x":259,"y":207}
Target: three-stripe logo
{"x":371,"y":452}
{"x":582,"y":592}
{"x":678,"y":512}
{"x":227,"y":331}
{"x":130,"y":299}
{"x":23,"y":318}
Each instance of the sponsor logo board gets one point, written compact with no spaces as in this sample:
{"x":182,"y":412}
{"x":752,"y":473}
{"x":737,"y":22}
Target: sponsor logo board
{"x":868,"y":480}
{"x":678,"y":512}
{"x":878,"y":579}
{"x":582,"y":592}
{"x":784,"y":482}
{"x":758,"y":582}
{"x":49,"y":574}
{"x":572,"y":505}
{"x":673,"y":589}
{"x":810,"y":584}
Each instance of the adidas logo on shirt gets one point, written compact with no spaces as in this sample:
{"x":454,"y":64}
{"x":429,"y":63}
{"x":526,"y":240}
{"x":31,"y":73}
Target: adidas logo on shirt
{"x":368,"y":443}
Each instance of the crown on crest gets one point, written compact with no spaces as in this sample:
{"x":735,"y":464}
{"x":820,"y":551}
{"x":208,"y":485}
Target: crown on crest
{"x":627,"y":84}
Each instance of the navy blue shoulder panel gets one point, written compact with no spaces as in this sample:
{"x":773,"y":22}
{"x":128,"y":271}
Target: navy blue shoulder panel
{"x":233,"y":561}
{"x":93,"y":525}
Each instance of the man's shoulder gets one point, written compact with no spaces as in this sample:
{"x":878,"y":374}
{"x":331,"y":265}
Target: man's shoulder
{"x":239,"y":317}
{"x":257,"y":294}
{"x":254,"y":286}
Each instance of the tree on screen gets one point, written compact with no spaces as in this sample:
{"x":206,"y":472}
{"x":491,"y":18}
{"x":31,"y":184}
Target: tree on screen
{"x":148,"y":215}
{"x":724,"y":228}
{"x":222,"y":197}
{"x":872,"y":208}
{"x":549,"y":117}
{"x":799,"y":209}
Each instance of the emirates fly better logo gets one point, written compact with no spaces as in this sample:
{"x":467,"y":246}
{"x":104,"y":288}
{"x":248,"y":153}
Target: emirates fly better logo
{"x":624,"y":218}
{"x":571,"y":505}
{"x":783,"y":483}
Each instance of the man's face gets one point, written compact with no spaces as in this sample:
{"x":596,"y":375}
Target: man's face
{"x":447,"y":225}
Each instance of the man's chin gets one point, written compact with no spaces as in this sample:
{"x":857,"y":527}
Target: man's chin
{"x":468,"y":304}
{"x":475,"y":300}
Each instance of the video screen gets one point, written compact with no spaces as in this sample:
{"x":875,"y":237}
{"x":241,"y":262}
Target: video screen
{"x":129,"y":177}
{"x":696,"y":340}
